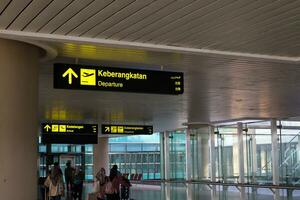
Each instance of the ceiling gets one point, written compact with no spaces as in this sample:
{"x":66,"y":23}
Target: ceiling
{"x":240,"y":58}
{"x":216,"y":89}
{"x":268,"y":27}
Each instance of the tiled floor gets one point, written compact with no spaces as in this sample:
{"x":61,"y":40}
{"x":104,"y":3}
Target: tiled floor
{"x":197,"y":192}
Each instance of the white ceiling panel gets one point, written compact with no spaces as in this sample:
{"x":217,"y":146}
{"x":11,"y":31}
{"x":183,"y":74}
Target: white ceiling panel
{"x":208,"y":18}
{"x":10,"y":12}
{"x":67,"y":14}
{"x":183,"y":20}
{"x":207,"y":23}
{"x":272,"y":20}
{"x":231,"y":29}
{"x":117,"y":17}
{"x":52,"y":10}
{"x":136,"y":17}
{"x":84,"y":15}
{"x":261,"y":28}
{"x":165,"y":20}
{"x":3,"y":5}
{"x":101,"y":16}
{"x":147,"y":21}
{"x":25,"y":17}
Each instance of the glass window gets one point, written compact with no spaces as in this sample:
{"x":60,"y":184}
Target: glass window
{"x":139,"y":158}
{"x":150,"y":158}
{"x":42,"y":148}
{"x":150,"y":147}
{"x":121,"y":153}
{"x":118,"y":147}
{"x":88,"y":159}
{"x":134,"y":147}
{"x":88,"y":148}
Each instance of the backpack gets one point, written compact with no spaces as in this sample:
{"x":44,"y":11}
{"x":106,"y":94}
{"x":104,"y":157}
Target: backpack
{"x":109,"y":188}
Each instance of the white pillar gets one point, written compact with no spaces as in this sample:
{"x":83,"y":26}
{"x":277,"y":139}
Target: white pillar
{"x":189,"y":191}
{"x":162,"y":156}
{"x":18,"y":120}
{"x":298,"y":150}
{"x":101,"y":157}
{"x":205,"y":153}
{"x":241,"y":152}
{"x":199,"y":156}
{"x":166,"y":155}
{"x":166,"y":191}
{"x":254,"y":157}
{"x":212,"y":154}
{"x":188,"y":163}
{"x":275,"y":157}
{"x":241,"y":158}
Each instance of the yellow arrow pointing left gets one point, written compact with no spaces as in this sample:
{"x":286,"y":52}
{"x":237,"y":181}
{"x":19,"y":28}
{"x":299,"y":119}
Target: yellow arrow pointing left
{"x":47,"y":127}
{"x":70,"y":72}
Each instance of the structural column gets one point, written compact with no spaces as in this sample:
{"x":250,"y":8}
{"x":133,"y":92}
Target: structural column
{"x":253,"y":156}
{"x":204,"y":152}
{"x":162,"y":159}
{"x":212,"y":154}
{"x":298,"y":150}
{"x":241,"y":152}
{"x":18,"y":120}
{"x":101,"y":157}
{"x":241,"y":158}
{"x":275,"y":157}
{"x":166,"y":156}
{"x":188,"y":163}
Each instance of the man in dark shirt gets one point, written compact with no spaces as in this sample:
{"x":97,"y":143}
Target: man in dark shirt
{"x":77,"y":184}
{"x":69,"y":172}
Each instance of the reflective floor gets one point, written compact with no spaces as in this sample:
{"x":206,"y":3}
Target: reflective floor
{"x":198,"y":191}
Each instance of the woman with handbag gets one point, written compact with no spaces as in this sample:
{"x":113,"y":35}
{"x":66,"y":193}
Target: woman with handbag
{"x":55,"y":183}
{"x":102,"y":180}
{"x":112,"y":188}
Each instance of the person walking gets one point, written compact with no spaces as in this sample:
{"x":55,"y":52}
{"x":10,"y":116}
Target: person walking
{"x":102,"y":180}
{"x":78,"y":179}
{"x":69,"y":172}
{"x":112,"y":188}
{"x":54,"y":183}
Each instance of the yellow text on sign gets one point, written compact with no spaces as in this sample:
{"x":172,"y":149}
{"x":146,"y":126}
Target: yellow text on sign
{"x":87,"y":77}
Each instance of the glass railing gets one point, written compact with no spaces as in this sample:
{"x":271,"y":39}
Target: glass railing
{"x":289,"y":167}
{"x":196,"y":191}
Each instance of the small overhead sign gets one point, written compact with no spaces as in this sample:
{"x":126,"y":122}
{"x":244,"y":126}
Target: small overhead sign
{"x":71,"y":76}
{"x":126,"y":129}
{"x":64,"y":133}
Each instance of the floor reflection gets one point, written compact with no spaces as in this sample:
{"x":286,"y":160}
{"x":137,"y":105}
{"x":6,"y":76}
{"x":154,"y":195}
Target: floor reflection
{"x":167,"y":191}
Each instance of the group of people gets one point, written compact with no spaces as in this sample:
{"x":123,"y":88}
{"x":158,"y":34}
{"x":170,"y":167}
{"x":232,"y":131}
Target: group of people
{"x":110,"y":186}
{"x":55,"y":184}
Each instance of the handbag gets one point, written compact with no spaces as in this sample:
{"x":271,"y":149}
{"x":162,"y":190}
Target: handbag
{"x":109,"y":189}
{"x":96,"y":186}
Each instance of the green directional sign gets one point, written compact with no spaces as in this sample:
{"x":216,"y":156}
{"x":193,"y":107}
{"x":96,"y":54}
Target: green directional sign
{"x":85,"y":77}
